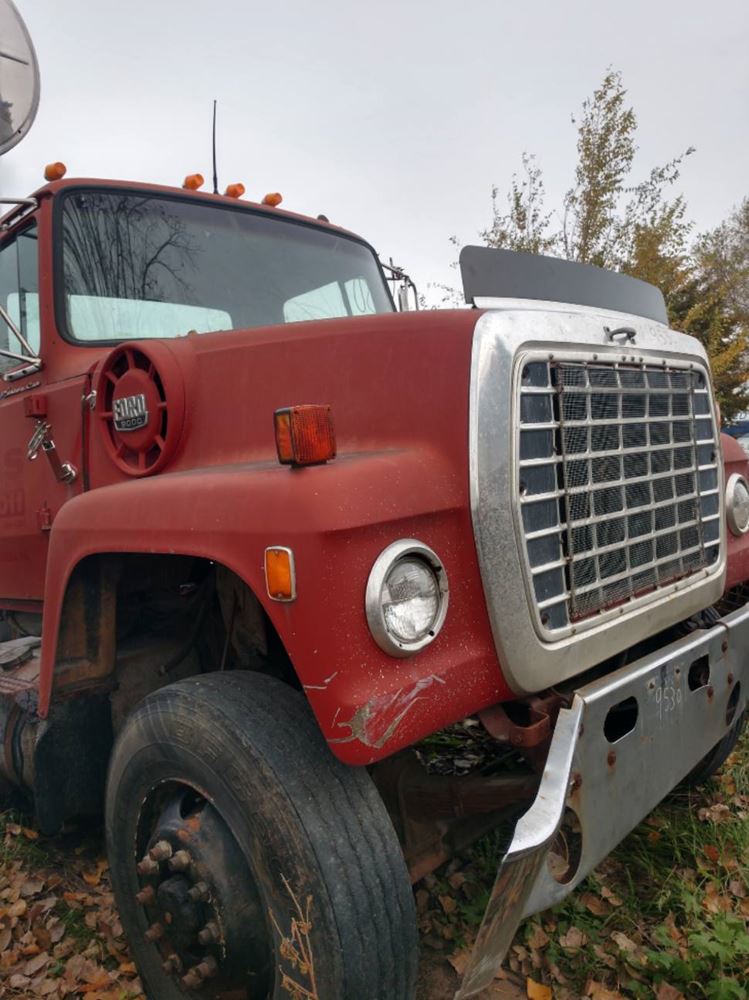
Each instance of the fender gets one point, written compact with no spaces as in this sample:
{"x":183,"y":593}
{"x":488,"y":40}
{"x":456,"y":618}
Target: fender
{"x":336,"y":518}
{"x":735,"y":461}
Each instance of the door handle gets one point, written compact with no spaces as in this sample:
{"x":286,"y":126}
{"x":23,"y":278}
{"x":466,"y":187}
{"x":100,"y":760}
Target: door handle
{"x":41,"y":440}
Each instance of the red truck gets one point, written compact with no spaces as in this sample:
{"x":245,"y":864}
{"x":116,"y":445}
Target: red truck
{"x":262,"y":536}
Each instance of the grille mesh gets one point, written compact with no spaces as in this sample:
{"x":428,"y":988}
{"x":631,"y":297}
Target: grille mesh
{"x":618,"y":482}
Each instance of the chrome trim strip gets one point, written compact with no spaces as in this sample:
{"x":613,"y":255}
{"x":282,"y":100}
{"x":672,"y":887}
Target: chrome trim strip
{"x":530,"y":662}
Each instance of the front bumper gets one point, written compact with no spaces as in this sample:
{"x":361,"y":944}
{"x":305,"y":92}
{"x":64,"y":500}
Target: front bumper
{"x":611,"y":787}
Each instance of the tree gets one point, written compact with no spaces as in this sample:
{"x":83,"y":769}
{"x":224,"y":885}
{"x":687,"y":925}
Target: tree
{"x":640,"y":228}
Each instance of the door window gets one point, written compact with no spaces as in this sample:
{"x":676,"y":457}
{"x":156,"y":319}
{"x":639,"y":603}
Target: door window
{"x":19,"y":294}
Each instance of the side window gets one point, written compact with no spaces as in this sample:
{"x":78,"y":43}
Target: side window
{"x":19,"y":294}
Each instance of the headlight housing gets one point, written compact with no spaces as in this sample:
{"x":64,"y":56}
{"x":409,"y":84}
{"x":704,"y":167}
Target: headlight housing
{"x":737,"y":504}
{"x":406,"y":599}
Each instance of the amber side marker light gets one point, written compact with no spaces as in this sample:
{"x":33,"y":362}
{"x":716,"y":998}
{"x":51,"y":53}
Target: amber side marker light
{"x":305,"y":435}
{"x":280,"y":574}
{"x":273,"y":198}
{"x":55,"y":171}
{"x":193,"y":182}
{"x":235,"y":190}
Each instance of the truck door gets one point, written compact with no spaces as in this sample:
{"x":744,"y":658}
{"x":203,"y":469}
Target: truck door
{"x":30,"y":494}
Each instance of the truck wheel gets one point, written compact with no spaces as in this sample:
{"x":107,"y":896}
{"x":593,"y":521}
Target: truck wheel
{"x":247,"y":862}
{"x":713,"y":761}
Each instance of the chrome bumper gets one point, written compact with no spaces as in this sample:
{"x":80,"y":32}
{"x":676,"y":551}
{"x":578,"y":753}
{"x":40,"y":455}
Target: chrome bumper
{"x":612,"y":786}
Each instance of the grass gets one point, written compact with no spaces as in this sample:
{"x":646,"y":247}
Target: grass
{"x":665,"y":915}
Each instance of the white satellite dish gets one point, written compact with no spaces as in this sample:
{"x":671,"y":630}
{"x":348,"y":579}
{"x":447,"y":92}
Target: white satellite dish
{"x":19,"y":78}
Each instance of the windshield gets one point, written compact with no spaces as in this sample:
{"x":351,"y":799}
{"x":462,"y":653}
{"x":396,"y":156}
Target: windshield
{"x":141,"y":266}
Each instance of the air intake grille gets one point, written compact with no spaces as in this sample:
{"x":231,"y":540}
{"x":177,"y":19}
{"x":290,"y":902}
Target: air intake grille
{"x":617,"y":480}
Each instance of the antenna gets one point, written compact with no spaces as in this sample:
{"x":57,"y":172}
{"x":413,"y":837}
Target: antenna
{"x":215,"y":175}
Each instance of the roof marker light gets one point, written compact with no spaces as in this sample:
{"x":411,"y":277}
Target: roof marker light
{"x":55,"y":171}
{"x":235,"y":190}
{"x":273,"y":198}
{"x":193,"y":181}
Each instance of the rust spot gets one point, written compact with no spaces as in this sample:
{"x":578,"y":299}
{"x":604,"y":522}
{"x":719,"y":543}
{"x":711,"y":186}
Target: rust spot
{"x":577,"y":780}
{"x":710,"y":693}
{"x":611,"y":758}
{"x":724,"y":645}
{"x":730,"y":679}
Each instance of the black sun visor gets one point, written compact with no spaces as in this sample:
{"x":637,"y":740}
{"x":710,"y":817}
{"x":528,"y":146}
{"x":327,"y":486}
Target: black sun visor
{"x":489,"y":273}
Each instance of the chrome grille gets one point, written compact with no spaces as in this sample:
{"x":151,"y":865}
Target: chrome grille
{"x":617,"y":482}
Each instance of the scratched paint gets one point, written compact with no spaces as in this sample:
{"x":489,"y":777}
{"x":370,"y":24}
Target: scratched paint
{"x":376,"y":722}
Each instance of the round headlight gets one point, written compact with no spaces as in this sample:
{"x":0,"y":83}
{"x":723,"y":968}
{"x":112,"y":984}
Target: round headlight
{"x":406,"y":599}
{"x":737,"y":504}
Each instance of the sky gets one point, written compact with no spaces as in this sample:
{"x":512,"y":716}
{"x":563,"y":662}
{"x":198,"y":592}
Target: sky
{"x":395,"y":119}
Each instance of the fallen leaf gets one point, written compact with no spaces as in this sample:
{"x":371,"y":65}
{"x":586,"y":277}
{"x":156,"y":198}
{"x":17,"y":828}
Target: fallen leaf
{"x":538,"y":938}
{"x":573,"y":939}
{"x":598,"y":907}
{"x":459,"y":960}
{"x":668,"y":992}
{"x":36,"y":964}
{"x":448,"y":904}
{"x":597,"y":991}
{"x":610,"y":896}
{"x":537,"y":991}
{"x":623,"y":942}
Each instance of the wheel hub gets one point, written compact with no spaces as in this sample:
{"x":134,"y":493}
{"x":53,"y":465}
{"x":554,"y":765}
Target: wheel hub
{"x":201,"y":906}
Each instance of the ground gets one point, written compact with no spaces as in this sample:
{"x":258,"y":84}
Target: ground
{"x":665,"y":917}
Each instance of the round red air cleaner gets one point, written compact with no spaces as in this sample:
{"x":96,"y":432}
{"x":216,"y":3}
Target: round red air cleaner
{"x":141,"y":404}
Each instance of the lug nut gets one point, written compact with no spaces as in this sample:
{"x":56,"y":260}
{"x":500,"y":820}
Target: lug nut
{"x":180,"y":862}
{"x":193,"y":979}
{"x":173,"y":964}
{"x":147,"y":866}
{"x":208,"y":967}
{"x":160,"y":851}
{"x":154,"y":932}
{"x":209,"y":933}
{"x":146,"y":896}
{"x":198,"y":892}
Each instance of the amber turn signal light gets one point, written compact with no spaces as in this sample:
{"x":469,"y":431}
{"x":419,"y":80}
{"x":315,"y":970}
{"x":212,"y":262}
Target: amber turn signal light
{"x":235,"y":190}
{"x":273,"y":198}
{"x":280,"y":574}
{"x":55,"y":171}
{"x":305,"y":435}
{"x":193,"y":182}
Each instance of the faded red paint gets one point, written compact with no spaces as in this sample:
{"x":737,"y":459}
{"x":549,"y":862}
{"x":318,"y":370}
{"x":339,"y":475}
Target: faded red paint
{"x":735,"y":460}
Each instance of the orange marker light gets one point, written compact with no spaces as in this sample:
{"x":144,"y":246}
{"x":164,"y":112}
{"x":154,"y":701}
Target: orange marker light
{"x":193,"y":181}
{"x":305,"y":434}
{"x":235,"y":190}
{"x":280,"y":574}
{"x":55,"y":171}
{"x":273,"y":199}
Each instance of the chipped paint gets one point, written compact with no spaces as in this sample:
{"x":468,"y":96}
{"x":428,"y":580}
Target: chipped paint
{"x":323,"y":686}
{"x":376,"y":722}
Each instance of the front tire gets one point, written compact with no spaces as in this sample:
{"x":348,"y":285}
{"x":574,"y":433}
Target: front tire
{"x":246,"y":860}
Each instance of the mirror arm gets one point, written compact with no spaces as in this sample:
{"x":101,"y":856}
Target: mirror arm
{"x":19,"y":336}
